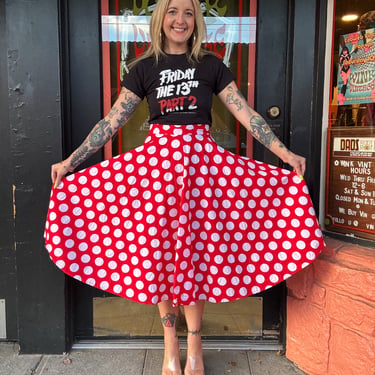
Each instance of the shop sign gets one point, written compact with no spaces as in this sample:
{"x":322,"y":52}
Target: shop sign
{"x":350,"y":201}
{"x":219,"y":29}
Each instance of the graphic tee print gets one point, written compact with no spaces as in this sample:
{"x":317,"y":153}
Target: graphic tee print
{"x":177,"y":91}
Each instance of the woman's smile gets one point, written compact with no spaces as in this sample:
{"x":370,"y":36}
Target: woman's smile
{"x":178,"y":26}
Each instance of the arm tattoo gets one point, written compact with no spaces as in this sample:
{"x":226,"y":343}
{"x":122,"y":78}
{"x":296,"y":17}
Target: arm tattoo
{"x":113,"y":112}
{"x":261,"y":131}
{"x":79,"y":156}
{"x":236,"y":100}
{"x":169,"y":320}
{"x":128,"y":109}
{"x":101,"y":134}
{"x":104,"y":129}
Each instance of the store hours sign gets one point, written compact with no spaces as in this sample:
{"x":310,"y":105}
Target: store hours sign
{"x":350,"y":201}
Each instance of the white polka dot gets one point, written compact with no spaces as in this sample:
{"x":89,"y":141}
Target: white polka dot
{"x":310,"y":255}
{"x":301,"y":245}
{"x":274,"y":279}
{"x":281,"y":223}
{"x":299,"y":211}
{"x":309,"y":222}
{"x":74,"y":267}
{"x":117,"y":289}
{"x":235,"y":280}
{"x":292,"y":267}
{"x":106,"y":174}
{"x":315,"y":244}
{"x":91,"y":282}
{"x":255,"y":257}
{"x":243,"y":292}
{"x":88,"y":270}
{"x":130,"y":293}
{"x":230,"y":292}
{"x":296,"y":255}
{"x":303,"y":201}
{"x":278,"y":267}
{"x":272,"y":245}
{"x":104,"y":285}
{"x":282,"y":256}
{"x":305,"y":233}
{"x":93,"y":171}
{"x":264,"y":268}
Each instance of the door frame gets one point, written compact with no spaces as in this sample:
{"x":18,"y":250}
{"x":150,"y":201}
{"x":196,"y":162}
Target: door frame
{"x":80,"y":37}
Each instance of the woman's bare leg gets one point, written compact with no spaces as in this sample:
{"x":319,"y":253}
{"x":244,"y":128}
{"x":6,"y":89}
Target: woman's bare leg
{"x":194,"y":360}
{"x":168,"y":315}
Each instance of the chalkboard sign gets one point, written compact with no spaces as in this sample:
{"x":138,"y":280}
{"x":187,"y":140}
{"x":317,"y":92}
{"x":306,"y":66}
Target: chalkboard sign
{"x":350,"y":200}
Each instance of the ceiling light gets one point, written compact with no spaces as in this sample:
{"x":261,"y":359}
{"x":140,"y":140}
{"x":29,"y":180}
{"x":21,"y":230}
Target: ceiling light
{"x":350,"y":17}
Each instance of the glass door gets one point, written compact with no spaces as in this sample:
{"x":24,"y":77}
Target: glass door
{"x":125,"y":36}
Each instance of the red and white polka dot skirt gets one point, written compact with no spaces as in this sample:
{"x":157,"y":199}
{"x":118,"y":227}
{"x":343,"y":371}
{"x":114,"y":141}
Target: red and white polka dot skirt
{"x":182,"y":219}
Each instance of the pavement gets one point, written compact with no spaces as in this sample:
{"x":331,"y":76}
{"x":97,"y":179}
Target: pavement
{"x":139,"y":362}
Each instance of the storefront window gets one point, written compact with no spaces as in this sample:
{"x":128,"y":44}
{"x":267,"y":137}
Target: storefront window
{"x":350,"y":175}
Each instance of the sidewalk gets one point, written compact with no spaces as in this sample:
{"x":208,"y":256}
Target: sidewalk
{"x":139,"y":362}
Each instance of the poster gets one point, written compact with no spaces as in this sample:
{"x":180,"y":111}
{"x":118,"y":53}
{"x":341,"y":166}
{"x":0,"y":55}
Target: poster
{"x":350,"y":201}
{"x":356,"y":68}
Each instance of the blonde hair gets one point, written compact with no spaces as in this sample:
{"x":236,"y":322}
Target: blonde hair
{"x":156,"y":49}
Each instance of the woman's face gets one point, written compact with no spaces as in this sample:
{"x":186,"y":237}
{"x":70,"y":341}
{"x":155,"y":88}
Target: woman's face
{"x":178,"y":26}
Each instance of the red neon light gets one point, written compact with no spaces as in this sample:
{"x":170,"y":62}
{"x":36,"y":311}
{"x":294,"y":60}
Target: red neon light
{"x":118,"y":58}
{"x":106,"y":74}
{"x":240,"y":4}
{"x":251,"y":80}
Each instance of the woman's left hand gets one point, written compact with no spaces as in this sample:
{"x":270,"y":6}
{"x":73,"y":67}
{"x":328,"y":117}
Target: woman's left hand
{"x":297,"y":162}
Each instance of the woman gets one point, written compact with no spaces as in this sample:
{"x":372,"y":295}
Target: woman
{"x":344,"y":62}
{"x":200,"y":223}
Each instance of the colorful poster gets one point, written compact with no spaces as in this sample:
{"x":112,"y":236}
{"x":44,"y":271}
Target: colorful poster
{"x":356,"y":68}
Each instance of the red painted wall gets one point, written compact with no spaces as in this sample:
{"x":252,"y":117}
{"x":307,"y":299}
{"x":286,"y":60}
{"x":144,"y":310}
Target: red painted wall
{"x":331,"y":312}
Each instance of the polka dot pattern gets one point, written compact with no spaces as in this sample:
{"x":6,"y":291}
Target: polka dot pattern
{"x":180,"y":218}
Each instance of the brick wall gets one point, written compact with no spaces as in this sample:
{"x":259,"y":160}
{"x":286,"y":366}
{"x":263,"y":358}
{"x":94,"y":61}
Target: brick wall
{"x":331,"y":312}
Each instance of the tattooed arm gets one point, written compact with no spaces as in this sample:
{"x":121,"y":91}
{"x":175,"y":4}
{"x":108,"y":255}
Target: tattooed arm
{"x":233,"y":99}
{"x":102,"y":132}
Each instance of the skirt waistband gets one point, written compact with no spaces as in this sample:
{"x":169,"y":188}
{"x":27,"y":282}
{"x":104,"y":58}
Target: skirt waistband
{"x":179,"y":129}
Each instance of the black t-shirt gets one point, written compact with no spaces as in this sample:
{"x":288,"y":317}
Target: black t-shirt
{"x":178,"y":93}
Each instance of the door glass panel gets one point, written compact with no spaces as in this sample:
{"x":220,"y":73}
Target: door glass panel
{"x":231,"y":35}
{"x":115,"y":316}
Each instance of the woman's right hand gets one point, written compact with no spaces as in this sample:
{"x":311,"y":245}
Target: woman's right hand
{"x":58,"y":171}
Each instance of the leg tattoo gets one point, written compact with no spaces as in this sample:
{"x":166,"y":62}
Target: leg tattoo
{"x":195,"y":332}
{"x":169,"y":320}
